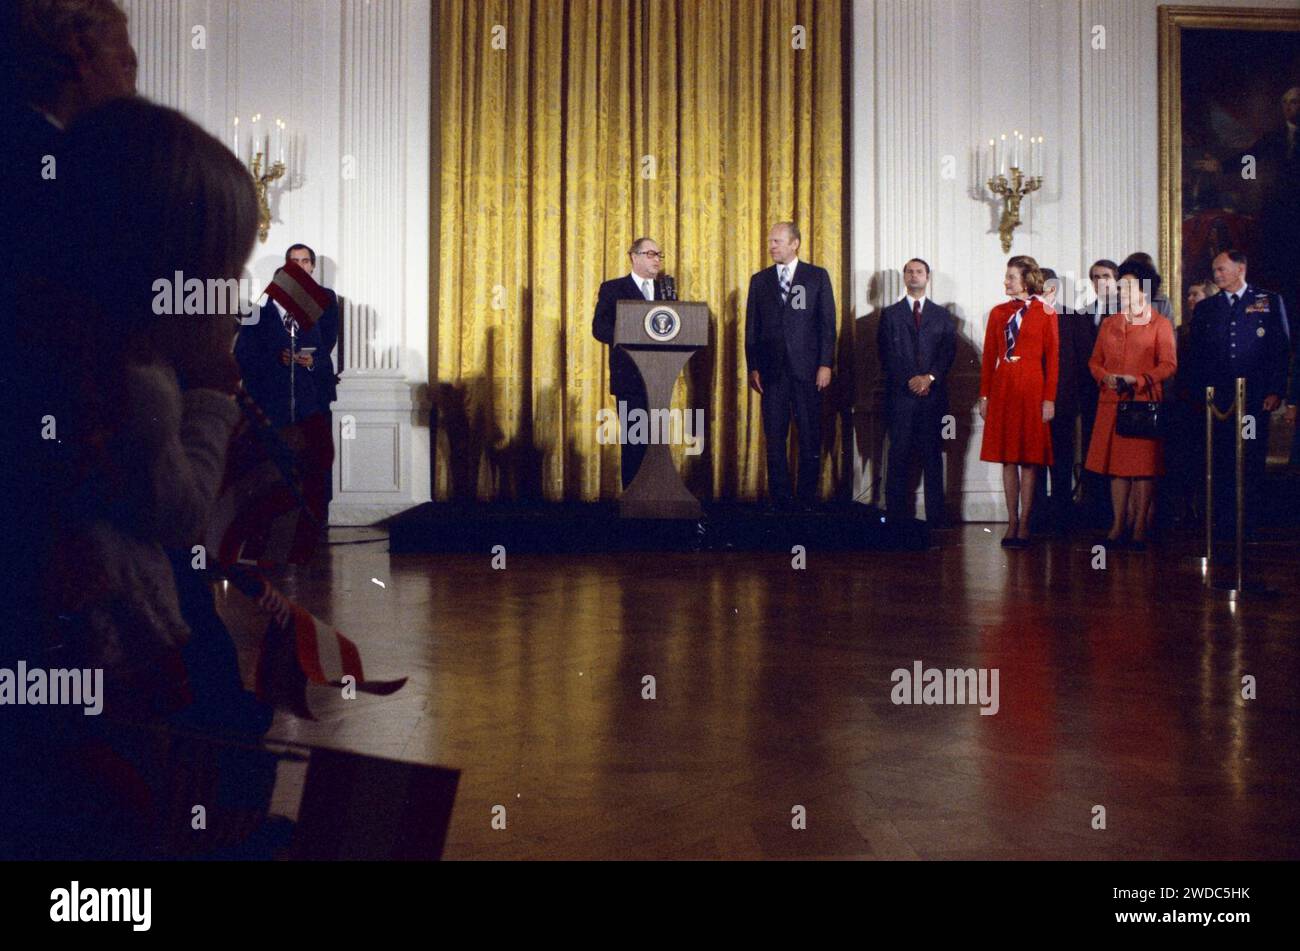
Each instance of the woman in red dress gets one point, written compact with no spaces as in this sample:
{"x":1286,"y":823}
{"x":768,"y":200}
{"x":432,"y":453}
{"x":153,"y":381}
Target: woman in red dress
{"x":1137,"y":354}
{"x":1018,"y":391}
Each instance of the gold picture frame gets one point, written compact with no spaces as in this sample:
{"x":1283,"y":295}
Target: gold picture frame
{"x":1173,"y":20}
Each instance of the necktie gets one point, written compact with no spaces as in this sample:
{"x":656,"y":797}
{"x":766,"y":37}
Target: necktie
{"x":916,"y":313}
{"x":1013,"y":330}
{"x":1232,"y":301}
{"x":647,"y":291}
{"x":785,"y":284}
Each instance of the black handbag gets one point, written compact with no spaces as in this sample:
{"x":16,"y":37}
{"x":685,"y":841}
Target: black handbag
{"x":1141,"y":419}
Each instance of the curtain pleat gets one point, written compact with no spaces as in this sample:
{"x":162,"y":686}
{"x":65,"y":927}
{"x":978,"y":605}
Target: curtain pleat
{"x":694,"y":122}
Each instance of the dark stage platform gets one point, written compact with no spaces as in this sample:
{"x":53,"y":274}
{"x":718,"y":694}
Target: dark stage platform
{"x":597,"y":527}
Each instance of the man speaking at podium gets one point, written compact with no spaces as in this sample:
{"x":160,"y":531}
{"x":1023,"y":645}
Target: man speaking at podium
{"x":644,"y":283}
{"x":789,"y":347}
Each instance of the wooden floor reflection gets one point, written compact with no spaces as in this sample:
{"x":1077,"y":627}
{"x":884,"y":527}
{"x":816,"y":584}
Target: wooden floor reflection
{"x":1119,"y":688}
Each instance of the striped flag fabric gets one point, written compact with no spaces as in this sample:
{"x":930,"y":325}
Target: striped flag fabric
{"x":261,"y":513}
{"x":299,"y":648}
{"x":301,"y":297}
{"x":307,"y":650}
{"x":325,"y":655}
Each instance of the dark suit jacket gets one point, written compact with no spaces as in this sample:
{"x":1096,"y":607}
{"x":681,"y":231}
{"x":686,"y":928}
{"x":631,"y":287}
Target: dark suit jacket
{"x":779,"y":337}
{"x":1076,"y":390}
{"x":623,"y":375}
{"x":327,"y":378}
{"x":1262,"y":349}
{"x":905,"y":352}
{"x":257,"y":350}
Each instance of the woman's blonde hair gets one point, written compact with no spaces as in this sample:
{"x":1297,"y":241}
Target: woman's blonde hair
{"x":1031,"y":275}
{"x":150,"y":195}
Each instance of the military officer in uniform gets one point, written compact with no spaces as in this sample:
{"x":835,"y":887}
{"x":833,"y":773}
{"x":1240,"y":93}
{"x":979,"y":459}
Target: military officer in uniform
{"x":1240,"y":332}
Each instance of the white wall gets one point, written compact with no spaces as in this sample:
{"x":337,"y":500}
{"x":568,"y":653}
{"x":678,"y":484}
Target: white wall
{"x":931,"y":78}
{"x":352,"y":79}
{"x":935,"y":78}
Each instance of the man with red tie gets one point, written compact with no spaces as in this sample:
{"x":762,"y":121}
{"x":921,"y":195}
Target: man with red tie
{"x":917,"y":341}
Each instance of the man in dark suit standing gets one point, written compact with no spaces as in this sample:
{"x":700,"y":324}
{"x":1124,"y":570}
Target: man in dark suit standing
{"x":1103,"y":275}
{"x":917,"y":342}
{"x":326,"y":379}
{"x":625,"y":383}
{"x":1076,"y":395}
{"x":1240,"y":332}
{"x":264,"y":349}
{"x":789,"y":349}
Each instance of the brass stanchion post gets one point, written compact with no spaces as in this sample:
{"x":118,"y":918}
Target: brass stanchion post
{"x":1241,"y":482}
{"x":1209,"y":480}
{"x":1236,"y":589}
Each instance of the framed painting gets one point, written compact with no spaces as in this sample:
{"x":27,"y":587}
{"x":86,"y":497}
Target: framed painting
{"x":1229,"y":159}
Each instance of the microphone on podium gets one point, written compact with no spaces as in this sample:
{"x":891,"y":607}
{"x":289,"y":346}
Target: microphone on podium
{"x":667,"y":288}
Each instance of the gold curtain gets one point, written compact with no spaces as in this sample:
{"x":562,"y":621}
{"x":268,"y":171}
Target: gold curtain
{"x":569,"y":128}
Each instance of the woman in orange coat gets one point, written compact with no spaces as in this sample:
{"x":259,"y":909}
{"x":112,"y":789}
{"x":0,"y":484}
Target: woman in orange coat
{"x":1018,"y":391}
{"x":1135,"y":353}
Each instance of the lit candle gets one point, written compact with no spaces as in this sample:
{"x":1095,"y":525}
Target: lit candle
{"x":993,"y":159}
{"x":1002,"y":155}
{"x":234,"y":138}
{"x":279,"y":139}
{"x":1042,"y":160}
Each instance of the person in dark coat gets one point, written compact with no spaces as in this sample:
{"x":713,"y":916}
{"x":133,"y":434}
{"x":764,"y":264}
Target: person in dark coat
{"x":917,"y":342}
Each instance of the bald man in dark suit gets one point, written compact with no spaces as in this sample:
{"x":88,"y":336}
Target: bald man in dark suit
{"x":625,"y":383}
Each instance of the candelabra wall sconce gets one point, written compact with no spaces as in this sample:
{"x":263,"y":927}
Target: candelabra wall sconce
{"x":1013,"y":184}
{"x":260,"y":166}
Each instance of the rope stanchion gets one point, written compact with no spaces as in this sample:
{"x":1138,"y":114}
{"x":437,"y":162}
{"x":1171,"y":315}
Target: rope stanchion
{"x":1240,"y":552}
{"x":1203,"y":561}
{"x":1238,"y":587}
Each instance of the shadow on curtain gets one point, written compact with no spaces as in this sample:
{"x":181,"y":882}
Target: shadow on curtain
{"x":569,"y":128}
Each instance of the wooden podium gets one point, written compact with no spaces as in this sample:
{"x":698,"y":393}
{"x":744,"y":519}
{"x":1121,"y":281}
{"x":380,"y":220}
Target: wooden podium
{"x":660,"y":337}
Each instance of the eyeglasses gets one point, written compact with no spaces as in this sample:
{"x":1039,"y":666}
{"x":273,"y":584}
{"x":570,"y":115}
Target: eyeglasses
{"x":651,"y":254}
